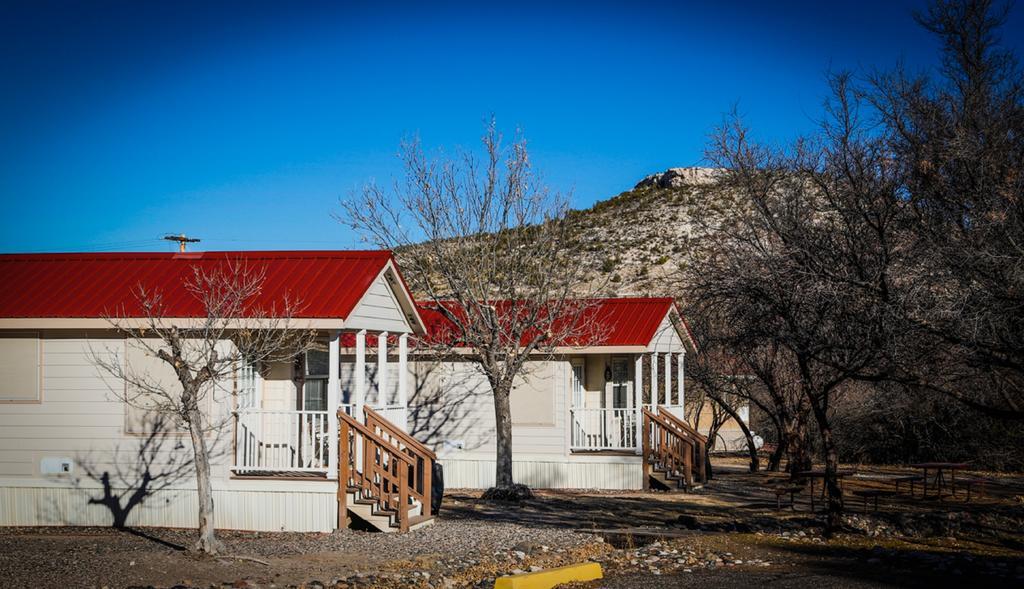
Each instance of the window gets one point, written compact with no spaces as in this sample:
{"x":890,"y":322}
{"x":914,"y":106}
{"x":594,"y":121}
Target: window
{"x":314,"y":388}
{"x":19,"y":368}
{"x":249,"y":380}
{"x":620,"y":383}
{"x":578,"y":381}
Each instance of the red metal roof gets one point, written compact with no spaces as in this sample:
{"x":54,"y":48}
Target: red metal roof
{"x":325,"y":284}
{"x":619,"y":321}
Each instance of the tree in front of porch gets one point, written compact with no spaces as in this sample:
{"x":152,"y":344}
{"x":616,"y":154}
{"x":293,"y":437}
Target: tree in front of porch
{"x":483,"y":242}
{"x":173,"y":369}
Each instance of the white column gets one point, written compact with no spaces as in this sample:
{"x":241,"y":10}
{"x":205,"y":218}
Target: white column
{"x":681,"y":384}
{"x":668,"y":379}
{"x":333,"y":400}
{"x":382,"y":370}
{"x":654,"y":382}
{"x":403,"y":379}
{"x":359,"y":385}
{"x":638,"y":399}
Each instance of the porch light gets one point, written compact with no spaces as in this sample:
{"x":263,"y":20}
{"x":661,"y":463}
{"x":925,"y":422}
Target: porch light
{"x":607,"y":372}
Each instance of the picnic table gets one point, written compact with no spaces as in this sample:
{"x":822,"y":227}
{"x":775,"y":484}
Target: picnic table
{"x":819,"y":473}
{"x":939,"y":478}
{"x":895,"y":479}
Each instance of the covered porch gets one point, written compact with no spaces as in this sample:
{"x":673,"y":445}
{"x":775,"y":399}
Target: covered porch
{"x":606,"y":420}
{"x":288,"y":426}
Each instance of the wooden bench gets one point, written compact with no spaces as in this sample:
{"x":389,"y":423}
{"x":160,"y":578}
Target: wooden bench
{"x":867,"y":494}
{"x":783,"y":490}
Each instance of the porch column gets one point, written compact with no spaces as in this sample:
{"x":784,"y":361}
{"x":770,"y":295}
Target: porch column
{"x":359,"y":384}
{"x":668,"y":379}
{"x":681,"y":384}
{"x":654,"y":382}
{"x":333,"y":398}
{"x":403,"y":379}
{"x":638,"y":400}
{"x":382,"y":370}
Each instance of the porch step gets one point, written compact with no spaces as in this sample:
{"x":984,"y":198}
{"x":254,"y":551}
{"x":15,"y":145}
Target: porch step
{"x":661,"y":480}
{"x":417,"y":522}
{"x":383,"y":520}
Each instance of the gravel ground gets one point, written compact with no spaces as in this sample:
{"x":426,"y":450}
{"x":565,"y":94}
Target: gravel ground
{"x":729,"y":534}
{"x":101,"y":557}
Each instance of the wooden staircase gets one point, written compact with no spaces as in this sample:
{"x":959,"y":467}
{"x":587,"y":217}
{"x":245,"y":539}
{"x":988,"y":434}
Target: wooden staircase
{"x":384,"y":475}
{"x":673,"y":453}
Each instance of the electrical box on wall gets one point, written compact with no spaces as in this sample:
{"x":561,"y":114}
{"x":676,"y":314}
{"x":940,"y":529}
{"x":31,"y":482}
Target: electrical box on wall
{"x":52,"y":465}
{"x":454,"y":445}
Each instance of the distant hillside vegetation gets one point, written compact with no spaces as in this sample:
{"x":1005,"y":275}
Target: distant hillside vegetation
{"x":636,"y":242}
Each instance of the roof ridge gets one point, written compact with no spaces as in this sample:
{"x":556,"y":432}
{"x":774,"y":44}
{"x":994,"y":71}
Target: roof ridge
{"x":198,"y":255}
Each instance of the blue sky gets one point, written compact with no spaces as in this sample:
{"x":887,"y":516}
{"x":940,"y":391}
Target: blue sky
{"x":244,"y":123}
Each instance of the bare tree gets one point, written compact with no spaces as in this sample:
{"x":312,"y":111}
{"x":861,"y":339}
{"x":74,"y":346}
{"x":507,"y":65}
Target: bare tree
{"x":481,"y":239}
{"x":958,"y":141}
{"x":199,"y":356}
{"x":721,"y":382}
{"x":806,"y":256}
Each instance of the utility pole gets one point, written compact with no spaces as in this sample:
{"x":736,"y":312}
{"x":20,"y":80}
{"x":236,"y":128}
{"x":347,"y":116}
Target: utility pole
{"x":182,"y":240}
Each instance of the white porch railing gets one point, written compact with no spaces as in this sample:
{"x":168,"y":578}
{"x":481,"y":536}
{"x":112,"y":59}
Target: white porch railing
{"x":282,"y":440}
{"x":603,"y":429}
{"x":608,"y":429}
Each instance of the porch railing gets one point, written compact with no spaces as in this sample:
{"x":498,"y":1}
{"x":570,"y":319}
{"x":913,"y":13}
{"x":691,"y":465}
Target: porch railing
{"x":271,"y":440}
{"x":386,"y":466}
{"x":289,"y":440}
{"x":603,"y":429}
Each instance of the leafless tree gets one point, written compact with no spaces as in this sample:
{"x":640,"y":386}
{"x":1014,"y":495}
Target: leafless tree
{"x":801,"y":263}
{"x":199,"y":357}
{"x":719,"y":380}
{"x":958,"y":141}
{"x":481,"y":240}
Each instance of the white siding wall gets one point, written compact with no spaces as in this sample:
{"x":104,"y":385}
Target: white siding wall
{"x":453,"y":405}
{"x":81,"y":419}
{"x":571,"y":472}
{"x":378,"y":311}
{"x":666,"y":339}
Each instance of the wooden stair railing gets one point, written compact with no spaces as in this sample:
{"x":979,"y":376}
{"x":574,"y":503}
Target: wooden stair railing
{"x":382,"y":474}
{"x":664,"y":448}
{"x":422,"y":469}
{"x":699,"y":442}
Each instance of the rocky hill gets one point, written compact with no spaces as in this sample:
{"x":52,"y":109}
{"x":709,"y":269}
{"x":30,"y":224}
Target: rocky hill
{"x":636,"y":243}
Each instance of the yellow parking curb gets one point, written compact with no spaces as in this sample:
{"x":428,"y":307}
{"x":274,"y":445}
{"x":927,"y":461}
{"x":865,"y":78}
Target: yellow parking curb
{"x":552,"y":577}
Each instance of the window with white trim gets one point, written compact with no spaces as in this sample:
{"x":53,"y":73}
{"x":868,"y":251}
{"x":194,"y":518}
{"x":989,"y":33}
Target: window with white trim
{"x":578,"y":381}
{"x":314,"y":388}
{"x":249,"y":380}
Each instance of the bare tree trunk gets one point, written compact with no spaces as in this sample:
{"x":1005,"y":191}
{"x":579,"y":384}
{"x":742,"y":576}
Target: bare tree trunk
{"x":775,"y":460}
{"x":712,"y":438}
{"x":207,"y":542}
{"x":796,"y":442}
{"x":755,"y":463}
{"x":834,"y":492}
{"x":503,"y":436}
